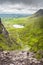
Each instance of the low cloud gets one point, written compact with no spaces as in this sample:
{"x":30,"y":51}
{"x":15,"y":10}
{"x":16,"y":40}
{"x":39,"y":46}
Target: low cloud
{"x":20,"y":6}
{"x":17,"y":8}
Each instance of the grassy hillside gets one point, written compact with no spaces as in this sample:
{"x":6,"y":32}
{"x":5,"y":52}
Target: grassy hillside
{"x":32,"y":34}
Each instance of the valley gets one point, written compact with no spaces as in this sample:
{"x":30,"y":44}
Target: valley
{"x":23,"y":34}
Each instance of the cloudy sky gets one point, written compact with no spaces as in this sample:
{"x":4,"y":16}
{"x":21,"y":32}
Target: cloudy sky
{"x":20,"y":6}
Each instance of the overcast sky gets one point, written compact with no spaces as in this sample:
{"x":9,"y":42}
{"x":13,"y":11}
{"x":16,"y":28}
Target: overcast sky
{"x":20,"y":6}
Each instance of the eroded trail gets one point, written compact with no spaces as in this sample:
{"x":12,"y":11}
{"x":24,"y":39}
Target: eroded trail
{"x":18,"y":58}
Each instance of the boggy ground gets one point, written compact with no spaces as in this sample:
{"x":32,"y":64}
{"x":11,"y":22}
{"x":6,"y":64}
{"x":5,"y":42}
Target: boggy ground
{"x":18,"y":58}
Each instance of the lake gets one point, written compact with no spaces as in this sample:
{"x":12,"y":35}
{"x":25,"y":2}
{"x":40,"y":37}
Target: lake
{"x":18,"y":26}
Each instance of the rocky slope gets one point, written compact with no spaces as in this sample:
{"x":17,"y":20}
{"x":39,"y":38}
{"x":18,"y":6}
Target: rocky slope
{"x":18,"y":58}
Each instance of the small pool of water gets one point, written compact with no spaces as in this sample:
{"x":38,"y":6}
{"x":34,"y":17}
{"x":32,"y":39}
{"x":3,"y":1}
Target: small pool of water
{"x":18,"y":26}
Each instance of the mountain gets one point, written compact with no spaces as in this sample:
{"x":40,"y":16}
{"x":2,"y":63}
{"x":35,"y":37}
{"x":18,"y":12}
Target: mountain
{"x":38,"y":13}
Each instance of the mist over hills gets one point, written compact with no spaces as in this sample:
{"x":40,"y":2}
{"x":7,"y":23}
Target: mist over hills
{"x":38,"y":13}
{"x":13,"y":15}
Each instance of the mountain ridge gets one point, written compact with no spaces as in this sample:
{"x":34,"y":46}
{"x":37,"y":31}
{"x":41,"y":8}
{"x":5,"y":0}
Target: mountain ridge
{"x":38,"y":13}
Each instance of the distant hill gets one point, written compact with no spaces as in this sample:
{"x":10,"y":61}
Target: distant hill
{"x":13,"y":15}
{"x":38,"y":13}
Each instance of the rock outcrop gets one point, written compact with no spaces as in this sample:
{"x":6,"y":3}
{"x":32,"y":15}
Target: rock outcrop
{"x":3,"y":29}
{"x":4,"y":35}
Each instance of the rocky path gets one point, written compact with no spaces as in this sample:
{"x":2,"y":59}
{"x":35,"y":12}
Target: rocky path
{"x":18,"y":58}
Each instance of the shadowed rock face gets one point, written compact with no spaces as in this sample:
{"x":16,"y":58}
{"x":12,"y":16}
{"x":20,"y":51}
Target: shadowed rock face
{"x":4,"y":35}
{"x":0,"y":20}
{"x":0,"y":26}
{"x":2,"y":29}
